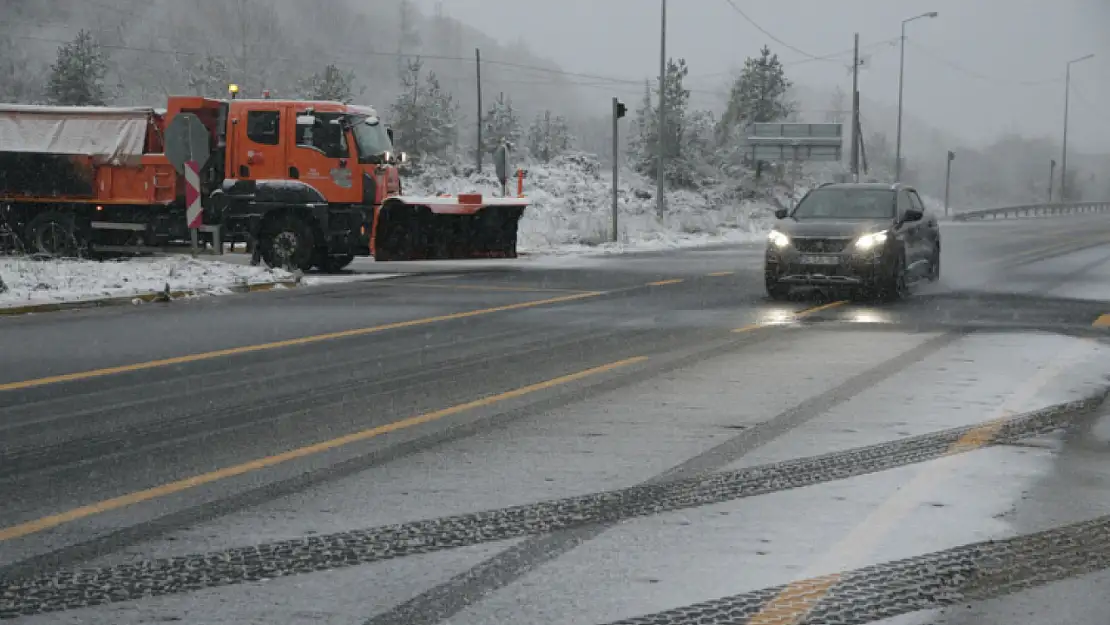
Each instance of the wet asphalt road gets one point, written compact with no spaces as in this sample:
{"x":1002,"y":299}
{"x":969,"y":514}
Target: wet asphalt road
{"x":123,"y":428}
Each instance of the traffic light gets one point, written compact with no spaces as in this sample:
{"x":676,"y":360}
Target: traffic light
{"x":621,"y":109}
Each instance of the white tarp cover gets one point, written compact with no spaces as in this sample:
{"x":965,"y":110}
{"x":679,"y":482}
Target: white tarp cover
{"x":109,"y":135}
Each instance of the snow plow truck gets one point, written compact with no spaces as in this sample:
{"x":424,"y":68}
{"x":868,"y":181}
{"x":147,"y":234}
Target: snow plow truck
{"x":310,"y":184}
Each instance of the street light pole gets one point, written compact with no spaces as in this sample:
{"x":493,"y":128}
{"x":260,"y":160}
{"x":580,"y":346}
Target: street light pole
{"x":1067,"y":107}
{"x":901,"y":88}
{"x":660,"y":136}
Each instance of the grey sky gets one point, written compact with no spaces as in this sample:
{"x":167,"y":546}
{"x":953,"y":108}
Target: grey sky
{"x":1004,"y":41}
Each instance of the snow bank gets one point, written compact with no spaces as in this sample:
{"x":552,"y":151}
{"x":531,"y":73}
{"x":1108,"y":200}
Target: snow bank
{"x":30,"y":281}
{"x":572,"y":200}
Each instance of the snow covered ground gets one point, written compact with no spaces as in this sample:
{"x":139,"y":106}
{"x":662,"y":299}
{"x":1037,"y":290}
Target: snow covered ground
{"x":30,"y":282}
{"x":571,"y":208}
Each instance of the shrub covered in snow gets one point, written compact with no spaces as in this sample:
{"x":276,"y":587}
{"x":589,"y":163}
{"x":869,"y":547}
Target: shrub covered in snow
{"x":571,"y":207}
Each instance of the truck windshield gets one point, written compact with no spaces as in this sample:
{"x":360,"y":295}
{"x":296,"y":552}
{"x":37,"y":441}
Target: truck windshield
{"x":372,"y":139}
{"x":847,"y":204}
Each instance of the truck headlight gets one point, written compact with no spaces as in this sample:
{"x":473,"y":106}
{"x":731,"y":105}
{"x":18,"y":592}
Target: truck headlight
{"x":871,"y":241}
{"x":778,"y":239}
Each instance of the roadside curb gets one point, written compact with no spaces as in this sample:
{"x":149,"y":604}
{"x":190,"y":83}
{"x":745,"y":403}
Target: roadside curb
{"x":146,"y":298}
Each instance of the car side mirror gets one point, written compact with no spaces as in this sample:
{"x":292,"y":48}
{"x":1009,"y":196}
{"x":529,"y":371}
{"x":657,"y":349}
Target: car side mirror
{"x":913,"y":215}
{"x":781,"y":213}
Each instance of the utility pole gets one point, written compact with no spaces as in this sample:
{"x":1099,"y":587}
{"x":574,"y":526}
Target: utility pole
{"x":659,"y":187}
{"x":619,"y":111}
{"x":948,"y":179}
{"x":1051,"y":178}
{"x":478,"y":67}
{"x":855,"y":112}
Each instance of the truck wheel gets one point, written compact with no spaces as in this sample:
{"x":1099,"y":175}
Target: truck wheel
{"x":55,"y":234}
{"x":287,"y":243}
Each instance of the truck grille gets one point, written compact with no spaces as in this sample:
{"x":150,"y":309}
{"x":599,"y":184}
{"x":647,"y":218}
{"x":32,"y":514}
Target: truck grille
{"x":821,"y":245}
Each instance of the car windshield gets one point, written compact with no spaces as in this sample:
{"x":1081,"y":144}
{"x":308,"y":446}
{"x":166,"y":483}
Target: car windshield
{"x":371,"y":138}
{"x":847,"y":204}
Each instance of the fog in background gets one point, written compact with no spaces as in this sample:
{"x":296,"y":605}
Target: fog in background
{"x":985,"y":79}
{"x":996,"y":44}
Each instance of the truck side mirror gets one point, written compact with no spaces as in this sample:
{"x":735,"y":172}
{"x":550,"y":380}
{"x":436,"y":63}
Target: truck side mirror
{"x":781,"y":213}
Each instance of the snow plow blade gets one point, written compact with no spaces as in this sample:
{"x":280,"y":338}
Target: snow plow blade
{"x":441,"y":228}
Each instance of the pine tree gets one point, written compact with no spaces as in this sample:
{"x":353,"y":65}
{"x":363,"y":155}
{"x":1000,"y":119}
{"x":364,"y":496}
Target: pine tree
{"x":643,"y":138}
{"x":331,"y":84}
{"x":424,"y":116}
{"x":77,"y":76}
{"x":210,"y":76}
{"x":548,"y":137}
{"x":837,"y":114}
{"x":676,"y":145}
{"x":759,"y":95}
{"x":16,"y":84}
{"x":500,"y":125}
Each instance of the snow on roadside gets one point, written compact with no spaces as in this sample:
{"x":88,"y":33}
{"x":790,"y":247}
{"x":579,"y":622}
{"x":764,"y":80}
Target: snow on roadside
{"x":571,"y":205}
{"x":31,"y":282}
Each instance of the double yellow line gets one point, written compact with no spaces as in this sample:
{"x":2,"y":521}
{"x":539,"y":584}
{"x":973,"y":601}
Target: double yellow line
{"x":116,"y":503}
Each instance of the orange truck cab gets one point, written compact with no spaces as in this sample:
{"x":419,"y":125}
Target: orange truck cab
{"x":312,"y":184}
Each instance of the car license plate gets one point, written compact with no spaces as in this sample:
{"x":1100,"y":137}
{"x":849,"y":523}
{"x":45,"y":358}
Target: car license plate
{"x":819,"y":259}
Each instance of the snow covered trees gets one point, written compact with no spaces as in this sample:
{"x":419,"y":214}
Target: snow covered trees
{"x":424,"y":116}
{"x":77,"y":76}
{"x":501,"y":124}
{"x":548,"y":137}
{"x":759,"y":95}
{"x":676,"y":137}
{"x":330,"y":84}
{"x":209,"y":77}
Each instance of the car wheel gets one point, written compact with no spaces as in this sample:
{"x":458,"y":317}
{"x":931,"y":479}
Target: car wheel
{"x":895,"y":287}
{"x":776,"y":291}
{"x":934,"y":264}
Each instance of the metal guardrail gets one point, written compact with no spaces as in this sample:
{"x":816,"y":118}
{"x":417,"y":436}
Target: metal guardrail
{"x":1033,"y":210}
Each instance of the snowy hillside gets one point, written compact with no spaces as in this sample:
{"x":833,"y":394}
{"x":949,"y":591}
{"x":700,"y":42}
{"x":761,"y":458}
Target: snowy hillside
{"x":572,"y":200}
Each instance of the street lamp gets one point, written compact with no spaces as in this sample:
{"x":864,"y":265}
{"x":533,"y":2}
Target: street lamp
{"x":1067,"y":103}
{"x":901,"y":76}
{"x":660,"y":201}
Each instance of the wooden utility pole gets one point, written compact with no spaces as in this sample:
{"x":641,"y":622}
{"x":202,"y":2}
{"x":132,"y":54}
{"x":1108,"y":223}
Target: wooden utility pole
{"x":855,"y":112}
{"x":478,"y":68}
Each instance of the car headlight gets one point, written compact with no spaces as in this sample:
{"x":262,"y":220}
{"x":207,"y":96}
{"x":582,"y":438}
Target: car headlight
{"x":871,"y":241}
{"x":778,"y":239}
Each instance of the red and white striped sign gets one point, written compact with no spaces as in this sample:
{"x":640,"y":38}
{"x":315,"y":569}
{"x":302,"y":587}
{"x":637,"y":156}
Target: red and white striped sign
{"x":193,"y":210}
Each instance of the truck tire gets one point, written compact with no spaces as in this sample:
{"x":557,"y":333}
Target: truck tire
{"x":55,"y":234}
{"x":287,"y":243}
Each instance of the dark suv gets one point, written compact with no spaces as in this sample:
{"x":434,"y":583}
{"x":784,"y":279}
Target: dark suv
{"x":873,"y":239}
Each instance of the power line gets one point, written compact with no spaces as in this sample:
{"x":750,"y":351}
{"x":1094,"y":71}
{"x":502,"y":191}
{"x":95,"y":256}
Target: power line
{"x":763,"y":30}
{"x":970,"y":72}
{"x":826,"y":57}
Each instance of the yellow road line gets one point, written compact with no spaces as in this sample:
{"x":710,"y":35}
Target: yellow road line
{"x":787,"y":609}
{"x":478,"y":287}
{"x":666,"y":282}
{"x":817,"y":309}
{"x":305,"y":340}
{"x":720,"y":274}
{"x":1103,"y":321}
{"x":48,"y":522}
{"x":805,"y":312}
